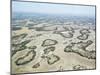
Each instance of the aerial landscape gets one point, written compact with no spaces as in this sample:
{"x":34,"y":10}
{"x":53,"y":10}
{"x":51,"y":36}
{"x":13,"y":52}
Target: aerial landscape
{"x":50,"y":37}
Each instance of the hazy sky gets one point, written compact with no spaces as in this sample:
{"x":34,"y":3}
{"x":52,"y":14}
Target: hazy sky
{"x":53,"y":8}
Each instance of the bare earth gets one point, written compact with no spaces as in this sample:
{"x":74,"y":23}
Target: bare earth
{"x":47,"y":47}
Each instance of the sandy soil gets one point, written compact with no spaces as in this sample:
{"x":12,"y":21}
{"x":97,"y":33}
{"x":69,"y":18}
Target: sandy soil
{"x":58,"y":36}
